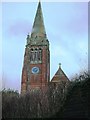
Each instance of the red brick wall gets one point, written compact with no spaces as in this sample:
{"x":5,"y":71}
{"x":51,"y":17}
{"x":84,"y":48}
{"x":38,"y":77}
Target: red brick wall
{"x":36,"y":80}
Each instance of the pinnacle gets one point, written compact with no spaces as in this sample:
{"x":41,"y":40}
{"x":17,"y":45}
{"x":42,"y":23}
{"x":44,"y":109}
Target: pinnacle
{"x":59,"y":65}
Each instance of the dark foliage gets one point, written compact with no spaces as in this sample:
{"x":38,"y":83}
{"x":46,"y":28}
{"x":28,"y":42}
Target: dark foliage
{"x":76,"y":104}
{"x":45,"y":104}
{"x":34,"y":104}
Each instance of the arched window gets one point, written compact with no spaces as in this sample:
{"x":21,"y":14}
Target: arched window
{"x":31,"y":55}
{"x":35,"y":55}
{"x":40,"y":54}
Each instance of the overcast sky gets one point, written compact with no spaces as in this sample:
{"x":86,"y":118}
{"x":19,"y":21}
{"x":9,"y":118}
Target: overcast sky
{"x":67,"y":31}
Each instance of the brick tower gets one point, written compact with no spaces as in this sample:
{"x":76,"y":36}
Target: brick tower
{"x":36,"y":66}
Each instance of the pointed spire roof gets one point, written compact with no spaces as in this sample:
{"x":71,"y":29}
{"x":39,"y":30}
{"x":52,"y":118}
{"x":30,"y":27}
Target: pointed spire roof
{"x":38,"y":26}
{"x":59,"y":76}
{"x":38,"y":33}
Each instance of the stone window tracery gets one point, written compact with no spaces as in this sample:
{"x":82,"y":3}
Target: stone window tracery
{"x":36,"y":55}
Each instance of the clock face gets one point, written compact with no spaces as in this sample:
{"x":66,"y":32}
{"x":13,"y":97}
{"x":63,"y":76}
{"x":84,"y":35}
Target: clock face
{"x":35,"y":70}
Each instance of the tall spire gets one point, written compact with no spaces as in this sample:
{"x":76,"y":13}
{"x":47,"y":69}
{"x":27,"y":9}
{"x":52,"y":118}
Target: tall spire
{"x":38,"y":33}
{"x":38,"y":26}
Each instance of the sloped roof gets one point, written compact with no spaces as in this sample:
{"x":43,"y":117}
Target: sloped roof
{"x":59,"y":76}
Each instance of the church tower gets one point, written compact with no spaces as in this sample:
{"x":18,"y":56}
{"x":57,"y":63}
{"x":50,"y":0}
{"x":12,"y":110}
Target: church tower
{"x":36,"y":66}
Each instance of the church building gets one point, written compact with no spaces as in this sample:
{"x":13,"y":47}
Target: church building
{"x":36,"y":65}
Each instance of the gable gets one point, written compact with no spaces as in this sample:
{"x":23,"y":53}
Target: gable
{"x":60,"y":76}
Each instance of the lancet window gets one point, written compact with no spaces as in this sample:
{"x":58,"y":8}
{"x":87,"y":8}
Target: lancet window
{"x":36,"y":55}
